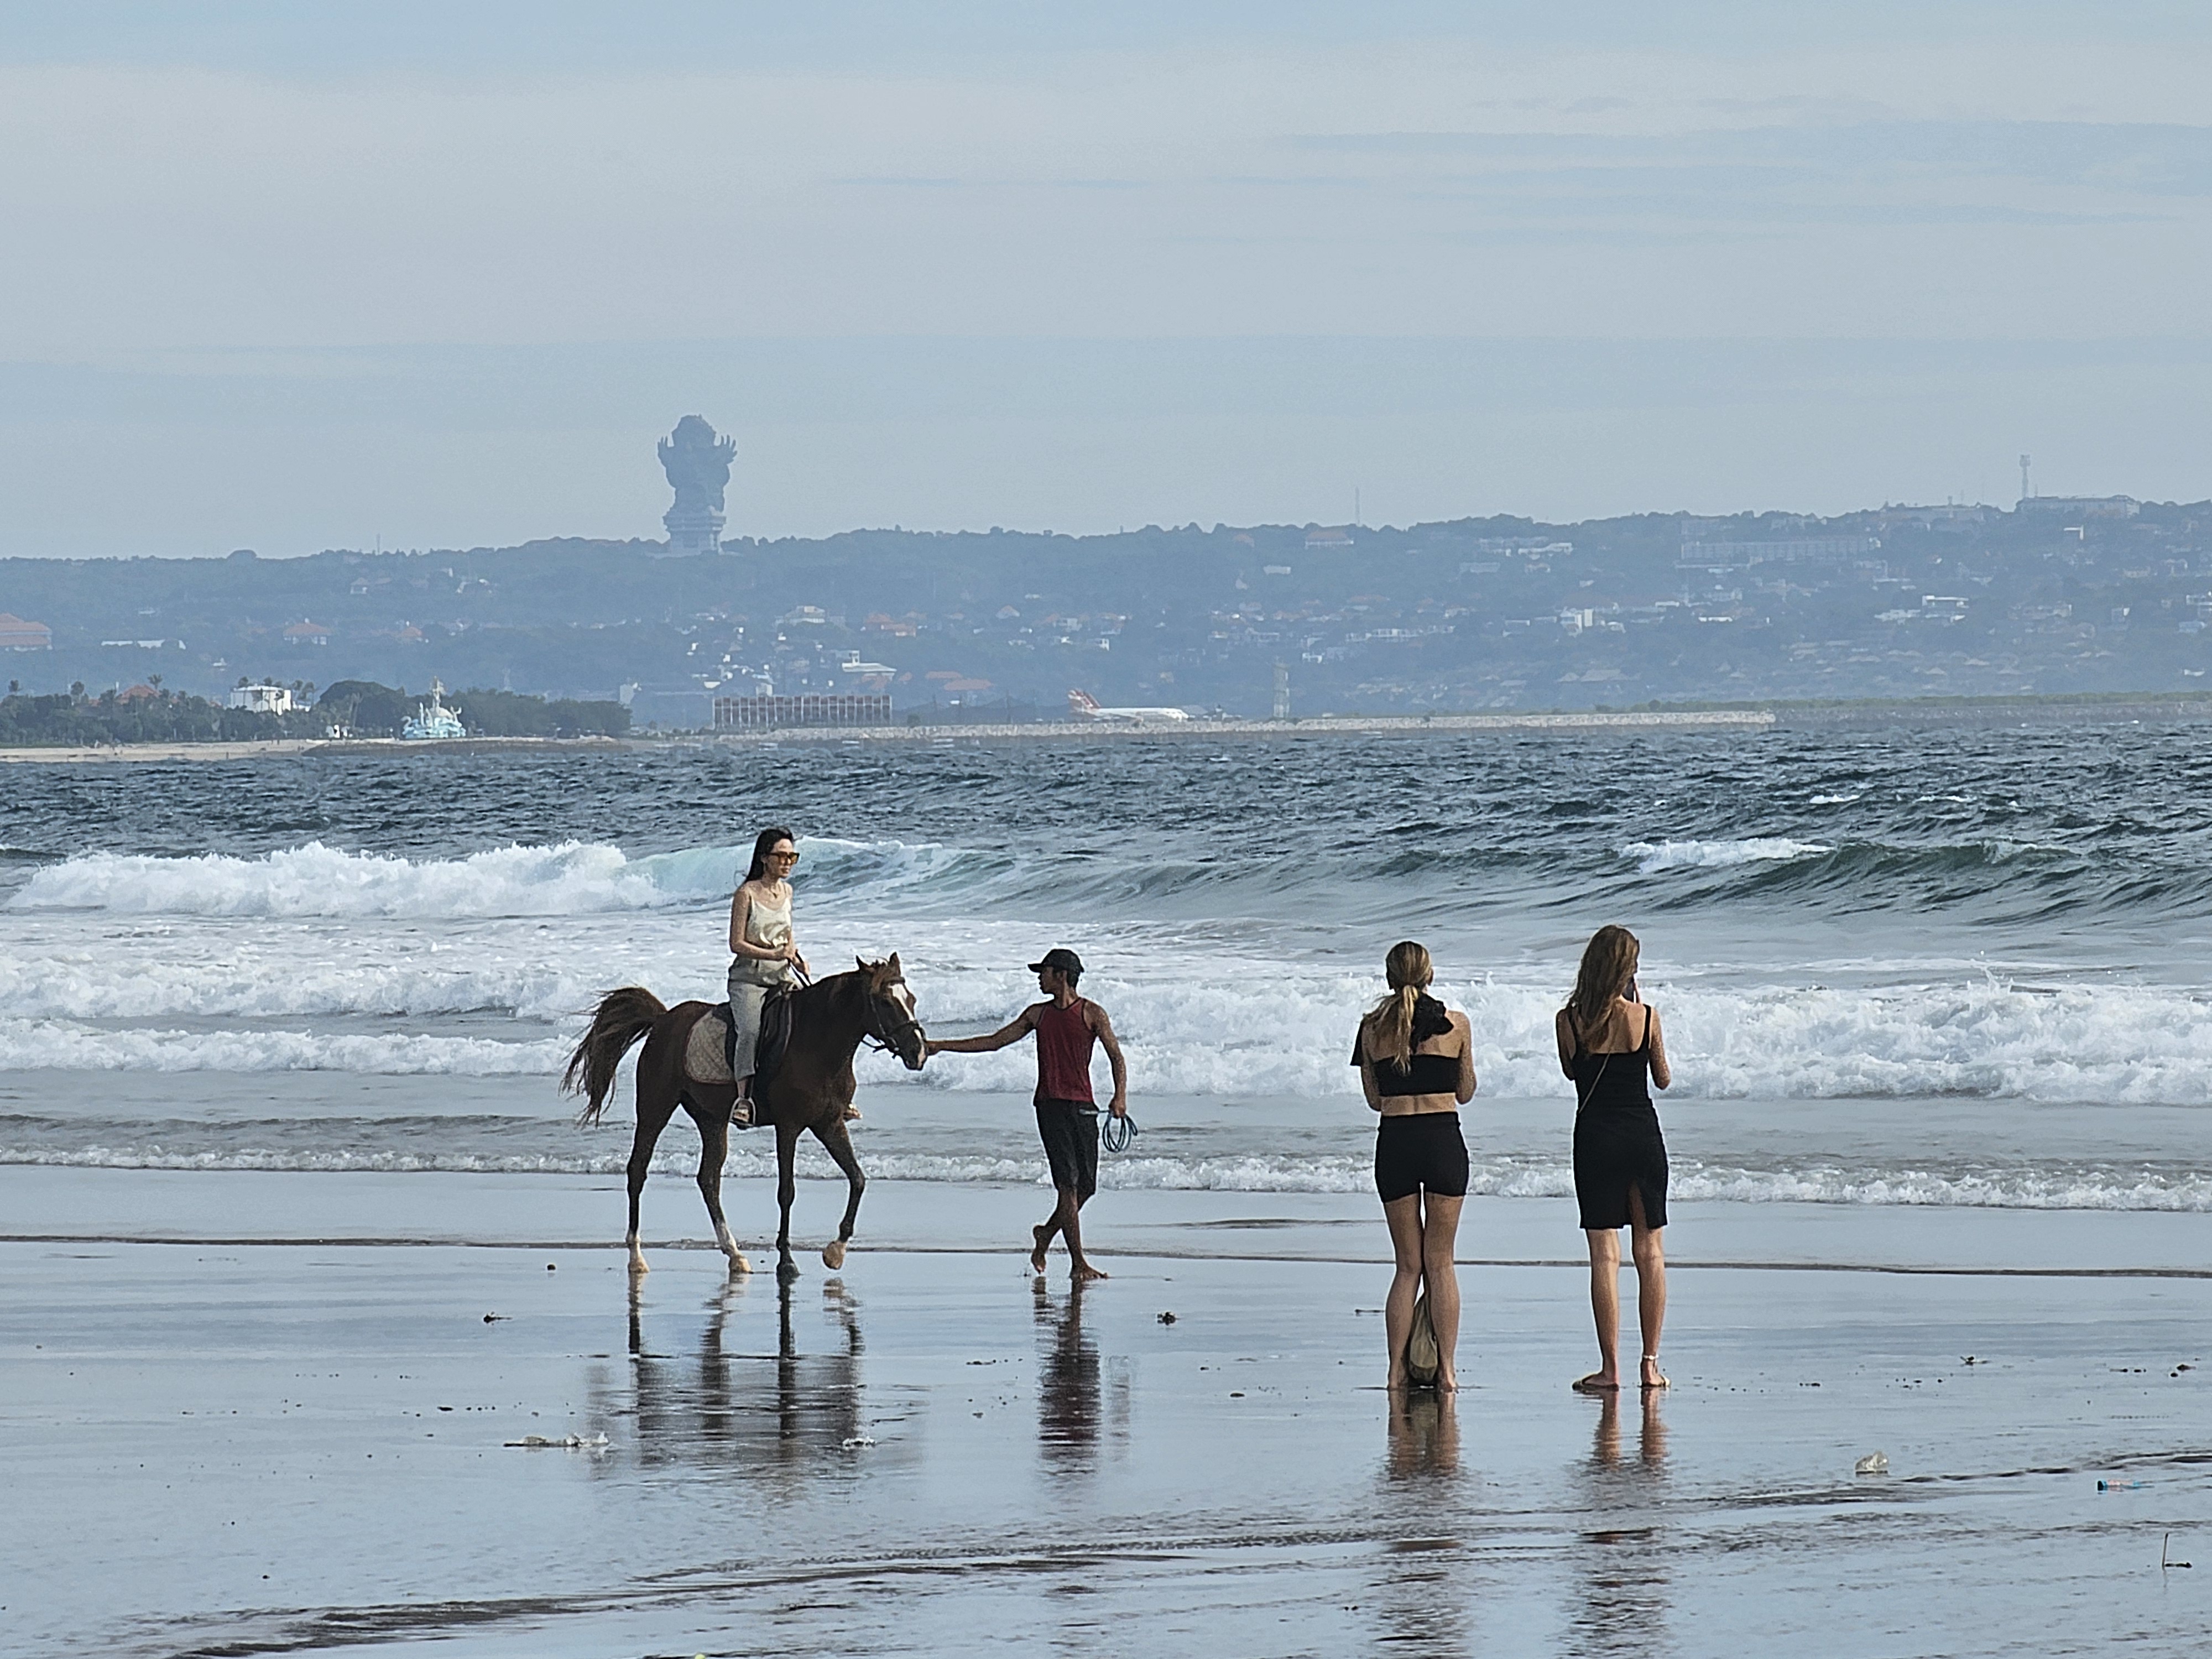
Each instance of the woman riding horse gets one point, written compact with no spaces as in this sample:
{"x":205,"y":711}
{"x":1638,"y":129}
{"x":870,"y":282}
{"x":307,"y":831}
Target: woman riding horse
{"x":762,"y":953}
{"x":811,"y":1090}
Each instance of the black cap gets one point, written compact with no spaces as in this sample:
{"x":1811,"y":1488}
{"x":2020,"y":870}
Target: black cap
{"x":1061,"y":959}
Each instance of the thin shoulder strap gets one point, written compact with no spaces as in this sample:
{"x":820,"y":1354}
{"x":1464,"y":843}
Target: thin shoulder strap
{"x":1646,"y":1043}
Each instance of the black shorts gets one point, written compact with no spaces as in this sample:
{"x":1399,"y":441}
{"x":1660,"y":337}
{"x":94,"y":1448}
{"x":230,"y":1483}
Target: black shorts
{"x":1419,"y":1152}
{"x":1069,"y":1130}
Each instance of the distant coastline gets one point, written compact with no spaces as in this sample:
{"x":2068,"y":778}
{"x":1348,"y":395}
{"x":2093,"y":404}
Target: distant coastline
{"x":2085,"y":708}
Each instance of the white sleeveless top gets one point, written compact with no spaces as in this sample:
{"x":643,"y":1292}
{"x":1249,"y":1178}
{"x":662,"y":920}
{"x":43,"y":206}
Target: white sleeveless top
{"x":767,"y":925}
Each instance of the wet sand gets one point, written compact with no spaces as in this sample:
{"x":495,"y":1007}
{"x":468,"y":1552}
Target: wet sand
{"x":285,"y":1446}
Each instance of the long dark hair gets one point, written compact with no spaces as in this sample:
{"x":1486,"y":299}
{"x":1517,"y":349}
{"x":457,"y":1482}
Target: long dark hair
{"x":1390,"y":1022}
{"x":763,"y":844}
{"x":1609,"y":964}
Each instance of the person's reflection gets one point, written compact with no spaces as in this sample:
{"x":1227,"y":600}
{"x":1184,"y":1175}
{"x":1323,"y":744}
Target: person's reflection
{"x":1068,"y":1382}
{"x":1419,"y":1597}
{"x":1622,"y":1586}
{"x":1423,"y":1434}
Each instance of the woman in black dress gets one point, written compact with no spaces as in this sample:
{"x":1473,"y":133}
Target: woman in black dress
{"x":1609,"y":1044}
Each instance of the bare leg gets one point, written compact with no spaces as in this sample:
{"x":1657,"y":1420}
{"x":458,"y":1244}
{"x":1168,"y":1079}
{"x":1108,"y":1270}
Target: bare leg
{"x":1439,"y":1232}
{"x":1651,"y":1287}
{"x":786,"y":1190}
{"x":1403,"y":1216}
{"x":1605,"y":1304}
{"x":713,"y":1149}
{"x":1068,"y":1219}
{"x":840,"y":1145}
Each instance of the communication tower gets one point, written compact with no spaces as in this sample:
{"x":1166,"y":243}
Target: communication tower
{"x":2025,"y":494}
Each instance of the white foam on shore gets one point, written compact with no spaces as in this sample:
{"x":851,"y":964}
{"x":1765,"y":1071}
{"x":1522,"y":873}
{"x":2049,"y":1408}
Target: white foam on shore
{"x":60,"y":1045}
{"x":753,"y":1157}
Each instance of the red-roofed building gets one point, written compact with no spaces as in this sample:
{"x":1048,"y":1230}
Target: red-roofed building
{"x":17,"y":635}
{"x":306,"y":633}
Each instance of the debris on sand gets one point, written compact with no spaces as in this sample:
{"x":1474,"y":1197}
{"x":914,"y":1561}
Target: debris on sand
{"x":568,"y":1443}
{"x":1167,"y":1319}
{"x":1874,"y":1462}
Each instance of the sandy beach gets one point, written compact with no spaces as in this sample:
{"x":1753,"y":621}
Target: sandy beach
{"x":275,"y":1446}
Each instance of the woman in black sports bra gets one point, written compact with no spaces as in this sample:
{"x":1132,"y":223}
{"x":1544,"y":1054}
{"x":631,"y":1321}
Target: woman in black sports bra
{"x":1416,"y":1068}
{"x":1609,"y":1043}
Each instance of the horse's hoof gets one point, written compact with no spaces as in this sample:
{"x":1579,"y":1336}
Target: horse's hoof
{"x":637,"y":1268}
{"x":833,"y":1256}
{"x":786,"y":1271}
{"x":739,"y":1267}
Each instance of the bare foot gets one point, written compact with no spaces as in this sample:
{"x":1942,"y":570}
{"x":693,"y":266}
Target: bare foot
{"x":1446,"y":1382}
{"x":1653,"y":1377}
{"x":1083,"y":1273}
{"x":1597,"y":1383}
{"x":1043,"y":1236}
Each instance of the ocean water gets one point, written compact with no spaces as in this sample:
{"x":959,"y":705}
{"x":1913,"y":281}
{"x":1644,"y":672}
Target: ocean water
{"x":1938,"y":967}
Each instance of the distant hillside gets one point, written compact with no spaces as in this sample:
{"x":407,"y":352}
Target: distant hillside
{"x":1495,"y":613}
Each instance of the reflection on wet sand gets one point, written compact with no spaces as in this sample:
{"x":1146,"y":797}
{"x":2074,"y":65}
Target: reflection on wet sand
{"x":1071,"y":1409}
{"x":758,"y":1411}
{"x":1622,"y":1591}
{"x":1418,"y":1596}
{"x":1423,"y":1434}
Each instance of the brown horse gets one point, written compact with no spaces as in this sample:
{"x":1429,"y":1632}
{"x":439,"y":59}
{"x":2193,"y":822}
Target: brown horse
{"x":809,"y":1089}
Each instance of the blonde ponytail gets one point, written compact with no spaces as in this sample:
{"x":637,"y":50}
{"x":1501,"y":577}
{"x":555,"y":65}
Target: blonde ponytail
{"x":1391,"y":1024}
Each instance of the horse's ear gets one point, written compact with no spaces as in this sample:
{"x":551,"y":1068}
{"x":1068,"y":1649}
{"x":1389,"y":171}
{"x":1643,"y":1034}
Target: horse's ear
{"x":867,"y":968}
{"x":898,"y":972}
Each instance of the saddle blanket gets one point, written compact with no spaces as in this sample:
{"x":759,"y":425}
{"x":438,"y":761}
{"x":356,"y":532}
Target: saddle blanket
{"x":707,"y":1054}
{"x":706,"y":1051}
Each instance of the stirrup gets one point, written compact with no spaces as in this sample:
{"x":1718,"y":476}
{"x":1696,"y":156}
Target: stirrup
{"x":741,"y":1112}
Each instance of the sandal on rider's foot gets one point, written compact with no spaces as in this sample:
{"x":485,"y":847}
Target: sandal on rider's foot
{"x":741,"y":1114}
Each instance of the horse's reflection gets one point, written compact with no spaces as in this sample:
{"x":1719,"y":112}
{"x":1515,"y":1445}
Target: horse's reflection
{"x":1622,"y":1591}
{"x":1073,"y":1408}
{"x":724,"y":1406}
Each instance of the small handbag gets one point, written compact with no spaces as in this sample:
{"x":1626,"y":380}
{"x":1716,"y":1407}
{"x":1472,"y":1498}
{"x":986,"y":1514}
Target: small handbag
{"x":1422,"y":1359}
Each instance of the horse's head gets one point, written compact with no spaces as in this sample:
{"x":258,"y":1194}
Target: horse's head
{"x":890,"y":1017}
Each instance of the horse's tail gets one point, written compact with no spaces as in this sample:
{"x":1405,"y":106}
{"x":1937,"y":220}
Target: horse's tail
{"x":623,"y":1017}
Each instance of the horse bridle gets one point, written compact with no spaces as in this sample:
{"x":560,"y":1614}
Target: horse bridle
{"x":872,"y":1026}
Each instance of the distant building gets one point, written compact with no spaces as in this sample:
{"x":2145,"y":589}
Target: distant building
{"x":1948,"y":517}
{"x":262,"y":699}
{"x":1329,"y":540}
{"x":2083,"y":507}
{"x":1741,"y":556}
{"x":698,"y":464}
{"x":306,"y":633}
{"x":763,"y":713}
{"x":17,"y":635}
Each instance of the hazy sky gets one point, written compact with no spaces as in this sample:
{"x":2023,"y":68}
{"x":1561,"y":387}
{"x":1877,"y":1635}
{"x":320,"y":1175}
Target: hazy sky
{"x":294,"y":276}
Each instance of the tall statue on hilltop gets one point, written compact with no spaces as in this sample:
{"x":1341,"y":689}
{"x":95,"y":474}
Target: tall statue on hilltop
{"x":698,"y":467}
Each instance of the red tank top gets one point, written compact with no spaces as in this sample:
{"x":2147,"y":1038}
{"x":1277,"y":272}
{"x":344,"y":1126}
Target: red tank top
{"x":1065,"y":1040}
